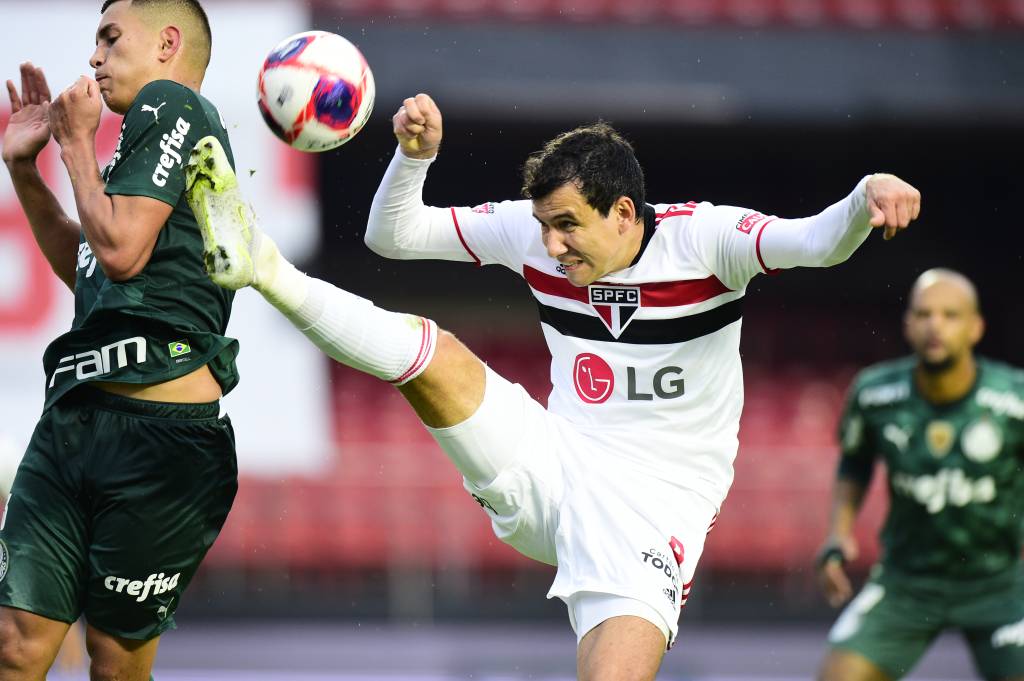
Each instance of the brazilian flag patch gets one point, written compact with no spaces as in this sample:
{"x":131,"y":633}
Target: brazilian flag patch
{"x":178,"y":348}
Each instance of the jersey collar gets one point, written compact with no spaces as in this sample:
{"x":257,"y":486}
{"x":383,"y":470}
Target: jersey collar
{"x":648,"y":232}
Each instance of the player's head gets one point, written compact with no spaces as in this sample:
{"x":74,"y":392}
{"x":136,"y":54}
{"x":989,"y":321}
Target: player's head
{"x":139,"y":41}
{"x":943,"y":322}
{"x":587,"y":190}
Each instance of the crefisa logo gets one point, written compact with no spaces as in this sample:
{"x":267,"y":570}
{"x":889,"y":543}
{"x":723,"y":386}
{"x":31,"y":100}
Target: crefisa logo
{"x":593,"y":378}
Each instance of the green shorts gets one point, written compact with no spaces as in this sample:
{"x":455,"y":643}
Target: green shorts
{"x":894,"y":619}
{"x":114,"y":506}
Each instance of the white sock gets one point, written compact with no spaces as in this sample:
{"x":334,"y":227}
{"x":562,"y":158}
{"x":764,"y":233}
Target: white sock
{"x":352,"y":330}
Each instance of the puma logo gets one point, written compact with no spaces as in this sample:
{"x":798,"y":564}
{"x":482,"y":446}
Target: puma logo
{"x":155,"y":111}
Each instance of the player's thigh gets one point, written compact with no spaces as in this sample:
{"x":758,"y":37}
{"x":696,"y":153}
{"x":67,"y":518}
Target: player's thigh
{"x":44,"y":531}
{"x":993,"y":624}
{"x":888,"y":626}
{"x":116,"y":658}
{"x":621,"y":648}
{"x":846,"y":665}
{"x":164,"y":477}
{"x":509,"y":453}
{"x":28,"y":642}
{"x":630,"y":536}
{"x":451,"y":388}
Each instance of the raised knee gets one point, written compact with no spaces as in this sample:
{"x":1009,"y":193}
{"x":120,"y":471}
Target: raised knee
{"x":448,"y":344}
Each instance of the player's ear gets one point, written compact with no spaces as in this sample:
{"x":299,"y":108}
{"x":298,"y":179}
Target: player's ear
{"x":625,"y":211}
{"x":977,"y":329}
{"x":170,"y":42}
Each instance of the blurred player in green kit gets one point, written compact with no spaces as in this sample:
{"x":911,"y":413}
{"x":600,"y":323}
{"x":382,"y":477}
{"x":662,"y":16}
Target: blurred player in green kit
{"x":131,"y":470}
{"x":950,"y":428}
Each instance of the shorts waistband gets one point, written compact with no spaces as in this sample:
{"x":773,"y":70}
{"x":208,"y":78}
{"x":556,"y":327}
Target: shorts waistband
{"x":87,"y":395}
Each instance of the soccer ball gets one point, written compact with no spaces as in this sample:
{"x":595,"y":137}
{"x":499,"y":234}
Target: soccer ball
{"x":315,"y":90}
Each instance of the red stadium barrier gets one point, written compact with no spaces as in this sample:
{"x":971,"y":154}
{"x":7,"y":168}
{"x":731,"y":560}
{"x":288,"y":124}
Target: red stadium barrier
{"x":860,"y":14}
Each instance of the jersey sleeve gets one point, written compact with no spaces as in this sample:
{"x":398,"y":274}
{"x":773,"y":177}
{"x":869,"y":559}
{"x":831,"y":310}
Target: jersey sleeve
{"x":497,"y":233}
{"x":856,"y":443}
{"x":159,"y":130}
{"x":725,"y":239}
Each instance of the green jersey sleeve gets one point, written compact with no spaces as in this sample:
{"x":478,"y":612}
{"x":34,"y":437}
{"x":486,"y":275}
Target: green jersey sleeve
{"x":856,"y":442}
{"x":164,"y":123}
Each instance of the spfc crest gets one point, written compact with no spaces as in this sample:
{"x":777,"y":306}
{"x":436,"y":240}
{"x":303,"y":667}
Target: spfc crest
{"x":939,"y":435}
{"x":615,"y":305}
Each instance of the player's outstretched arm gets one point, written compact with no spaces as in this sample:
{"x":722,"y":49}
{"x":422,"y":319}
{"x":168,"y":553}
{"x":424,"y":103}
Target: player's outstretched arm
{"x":879,"y":201}
{"x":27,"y":132}
{"x":400,"y":226}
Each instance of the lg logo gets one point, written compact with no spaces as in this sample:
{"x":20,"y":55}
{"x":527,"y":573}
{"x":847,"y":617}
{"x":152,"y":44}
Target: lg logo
{"x":595,"y":381}
{"x":665,"y":384}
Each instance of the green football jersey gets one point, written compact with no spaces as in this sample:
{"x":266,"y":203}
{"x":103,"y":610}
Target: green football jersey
{"x":956,"y":471}
{"x":170,"y":319}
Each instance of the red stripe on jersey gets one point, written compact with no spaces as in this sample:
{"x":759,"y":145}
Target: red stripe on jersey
{"x":757,"y":247}
{"x":458,"y":231}
{"x":659,"y":294}
{"x":554,"y":286}
{"x":675,"y":211}
{"x":687,"y":292}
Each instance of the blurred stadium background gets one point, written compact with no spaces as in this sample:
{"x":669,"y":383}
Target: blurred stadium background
{"x":352,"y":550}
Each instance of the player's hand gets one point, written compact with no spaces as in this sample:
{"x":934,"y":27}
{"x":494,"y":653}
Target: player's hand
{"x":28,"y":129}
{"x":75,"y":114}
{"x":892,"y":203}
{"x":832,"y":578}
{"x":417,"y":126}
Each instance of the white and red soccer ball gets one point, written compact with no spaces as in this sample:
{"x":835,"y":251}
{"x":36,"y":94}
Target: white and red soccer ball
{"x":315,"y":90}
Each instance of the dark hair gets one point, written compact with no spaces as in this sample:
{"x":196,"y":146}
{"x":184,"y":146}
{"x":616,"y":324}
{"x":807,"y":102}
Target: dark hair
{"x":596,"y":158}
{"x":191,"y":7}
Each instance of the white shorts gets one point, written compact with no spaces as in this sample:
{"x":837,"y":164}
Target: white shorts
{"x":564,"y":498}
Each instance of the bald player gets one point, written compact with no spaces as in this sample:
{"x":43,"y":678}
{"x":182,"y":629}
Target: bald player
{"x":950,"y":428}
{"x":131,"y":470}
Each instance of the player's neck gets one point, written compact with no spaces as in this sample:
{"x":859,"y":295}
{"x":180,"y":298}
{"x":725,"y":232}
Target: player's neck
{"x":948,"y":385}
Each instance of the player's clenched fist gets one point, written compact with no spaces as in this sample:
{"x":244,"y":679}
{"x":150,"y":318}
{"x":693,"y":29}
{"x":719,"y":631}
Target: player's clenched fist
{"x":892,"y":203}
{"x":75,"y":114}
{"x":418,"y":127}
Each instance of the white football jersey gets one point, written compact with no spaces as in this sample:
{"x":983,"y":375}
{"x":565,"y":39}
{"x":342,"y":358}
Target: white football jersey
{"x":645,"y":361}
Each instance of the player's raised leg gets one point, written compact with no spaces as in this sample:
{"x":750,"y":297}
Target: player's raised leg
{"x":442,"y":380}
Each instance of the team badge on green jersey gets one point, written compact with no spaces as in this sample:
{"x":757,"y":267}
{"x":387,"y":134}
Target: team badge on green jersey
{"x":178,"y":348}
{"x":982,"y":441}
{"x":939,"y":435}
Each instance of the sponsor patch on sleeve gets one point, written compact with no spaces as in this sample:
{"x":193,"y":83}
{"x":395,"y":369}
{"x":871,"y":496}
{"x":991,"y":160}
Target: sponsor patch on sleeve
{"x":749,"y":221}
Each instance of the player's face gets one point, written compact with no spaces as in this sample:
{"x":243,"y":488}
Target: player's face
{"x":587,"y":244}
{"x":942,"y":324}
{"x":126,"y":53}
